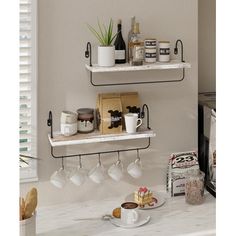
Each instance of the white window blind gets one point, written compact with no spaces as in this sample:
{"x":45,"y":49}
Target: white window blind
{"x":28,"y":89}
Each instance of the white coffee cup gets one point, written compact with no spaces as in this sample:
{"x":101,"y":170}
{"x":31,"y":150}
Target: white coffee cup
{"x":68,"y":117}
{"x":59,"y":178}
{"x":132,"y":122}
{"x":69,"y":129}
{"x":97,"y":174}
{"x":129,"y":213}
{"x":116,"y":171}
{"x":79,"y":176}
{"x":135,"y":169}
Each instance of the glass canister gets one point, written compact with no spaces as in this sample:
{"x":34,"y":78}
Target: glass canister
{"x":194,"y":187}
{"x":85,"y":120}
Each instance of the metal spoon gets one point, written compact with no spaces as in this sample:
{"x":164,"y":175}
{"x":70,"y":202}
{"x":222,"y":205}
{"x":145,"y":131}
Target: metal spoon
{"x":104,"y":217}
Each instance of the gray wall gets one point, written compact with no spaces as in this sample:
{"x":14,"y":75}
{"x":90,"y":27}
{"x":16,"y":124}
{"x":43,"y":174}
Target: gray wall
{"x":64,"y":84}
{"x":207,"y":45}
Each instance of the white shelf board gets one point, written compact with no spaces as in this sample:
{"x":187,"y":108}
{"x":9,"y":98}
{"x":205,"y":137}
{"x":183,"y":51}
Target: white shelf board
{"x":95,"y":137}
{"x":173,"y":64}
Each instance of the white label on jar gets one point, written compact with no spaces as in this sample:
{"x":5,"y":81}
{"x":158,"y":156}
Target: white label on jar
{"x":164,"y":51}
{"x":178,"y":186}
{"x":119,"y":54}
{"x":85,"y":126}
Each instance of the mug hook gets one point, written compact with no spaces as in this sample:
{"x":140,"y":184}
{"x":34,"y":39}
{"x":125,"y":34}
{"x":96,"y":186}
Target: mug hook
{"x":80,"y":163}
{"x":62,"y":163}
{"x":138,"y":157}
{"x":99,"y":159}
{"x":118,"y":156}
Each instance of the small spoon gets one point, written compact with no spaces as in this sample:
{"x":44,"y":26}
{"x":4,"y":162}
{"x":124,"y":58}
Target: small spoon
{"x":104,"y":217}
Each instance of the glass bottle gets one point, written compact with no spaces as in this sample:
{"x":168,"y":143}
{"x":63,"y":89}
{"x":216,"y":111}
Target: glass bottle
{"x":130,"y":33}
{"x":120,"y":47}
{"x":136,"y":47}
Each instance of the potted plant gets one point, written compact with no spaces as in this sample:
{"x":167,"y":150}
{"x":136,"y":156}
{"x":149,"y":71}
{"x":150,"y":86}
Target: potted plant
{"x":106,"y":51}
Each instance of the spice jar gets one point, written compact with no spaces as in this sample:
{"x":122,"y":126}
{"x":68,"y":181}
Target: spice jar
{"x":85,"y":120}
{"x":194,"y":187}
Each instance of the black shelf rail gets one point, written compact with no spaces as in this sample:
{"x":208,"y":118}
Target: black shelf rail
{"x":88,"y":54}
{"x":143,"y":115}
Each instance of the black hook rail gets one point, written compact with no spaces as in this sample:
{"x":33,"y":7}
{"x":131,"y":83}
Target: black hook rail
{"x":88,"y":54}
{"x":101,"y":152}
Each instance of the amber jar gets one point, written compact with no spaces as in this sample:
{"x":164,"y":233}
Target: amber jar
{"x":85,"y":120}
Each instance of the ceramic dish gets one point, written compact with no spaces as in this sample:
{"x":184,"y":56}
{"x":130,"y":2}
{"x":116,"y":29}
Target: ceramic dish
{"x":158,"y":200}
{"x":142,"y":221}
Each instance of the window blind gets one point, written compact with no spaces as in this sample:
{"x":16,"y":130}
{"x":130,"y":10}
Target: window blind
{"x":27,"y":86}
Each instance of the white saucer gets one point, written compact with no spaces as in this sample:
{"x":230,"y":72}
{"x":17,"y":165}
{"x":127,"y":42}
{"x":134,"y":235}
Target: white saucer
{"x":143,"y":219}
{"x":159,"y":200}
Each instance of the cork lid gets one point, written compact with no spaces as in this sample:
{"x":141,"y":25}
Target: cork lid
{"x":136,"y":28}
{"x":163,"y":41}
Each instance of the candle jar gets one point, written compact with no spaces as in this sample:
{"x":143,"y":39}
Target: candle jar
{"x":194,"y":187}
{"x":164,"y":51}
{"x":85,"y":120}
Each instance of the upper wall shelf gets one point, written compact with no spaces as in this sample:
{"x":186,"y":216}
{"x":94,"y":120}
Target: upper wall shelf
{"x":173,"y":64}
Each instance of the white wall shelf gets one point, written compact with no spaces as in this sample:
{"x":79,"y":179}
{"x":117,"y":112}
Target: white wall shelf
{"x":173,"y":64}
{"x":95,"y":137}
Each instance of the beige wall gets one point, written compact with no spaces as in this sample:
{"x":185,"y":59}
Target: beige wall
{"x":207,"y":45}
{"x":64,"y":84}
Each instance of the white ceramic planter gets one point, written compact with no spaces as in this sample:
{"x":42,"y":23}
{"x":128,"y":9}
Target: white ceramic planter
{"x":28,"y":226}
{"x":106,"y":55}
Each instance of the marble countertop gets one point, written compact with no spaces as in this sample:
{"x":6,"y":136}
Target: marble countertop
{"x":174,"y":218}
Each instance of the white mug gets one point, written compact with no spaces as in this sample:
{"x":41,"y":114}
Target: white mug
{"x":68,"y":117}
{"x":79,"y":176}
{"x":129,"y":213}
{"x":131,"y":122}
{"x":135,"y":169}
{"x":116,"y":171}
{"x":97,"y":174}
{"x":59,"y":178}
{"x":69,"y":129}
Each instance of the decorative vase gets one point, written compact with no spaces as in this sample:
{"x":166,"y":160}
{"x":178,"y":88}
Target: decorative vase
{"x":28,"y":226}
{"x":106,"y":55}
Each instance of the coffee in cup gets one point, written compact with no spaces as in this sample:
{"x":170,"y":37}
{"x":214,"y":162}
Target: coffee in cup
{"x":129,"y":213}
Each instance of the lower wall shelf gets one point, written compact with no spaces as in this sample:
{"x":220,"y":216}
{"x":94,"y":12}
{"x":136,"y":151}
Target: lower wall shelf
{"x":95,"y":137}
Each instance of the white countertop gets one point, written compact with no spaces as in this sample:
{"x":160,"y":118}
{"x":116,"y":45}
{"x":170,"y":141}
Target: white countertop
{"x":174,"y":218}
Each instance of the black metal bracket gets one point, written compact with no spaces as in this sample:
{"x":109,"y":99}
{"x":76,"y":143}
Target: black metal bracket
{"x":182,"y":49}
{"x":88,"y":54}
{"x":50,"y":124}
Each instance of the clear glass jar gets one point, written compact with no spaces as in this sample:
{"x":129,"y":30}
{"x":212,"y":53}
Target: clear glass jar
{"x":194,"y":187}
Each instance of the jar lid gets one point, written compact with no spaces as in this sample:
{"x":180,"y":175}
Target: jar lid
{"x":195,"y":173}
{"x":150,"y":39}
{"x":164,"y":42}
{"x":85,"y":111}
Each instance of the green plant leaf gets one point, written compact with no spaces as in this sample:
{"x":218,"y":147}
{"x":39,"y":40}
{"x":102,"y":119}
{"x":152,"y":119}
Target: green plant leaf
{"x":103,"y":34}
{"x":96,"y":34}
{"x":110,"y":29}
